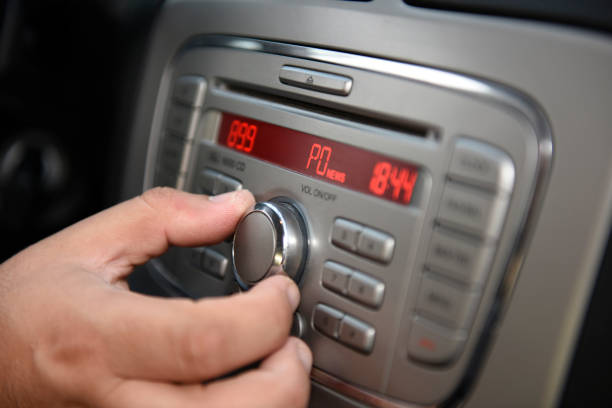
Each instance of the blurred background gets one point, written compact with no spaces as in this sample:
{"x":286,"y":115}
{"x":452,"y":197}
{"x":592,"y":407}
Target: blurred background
{"x":68,"y":75}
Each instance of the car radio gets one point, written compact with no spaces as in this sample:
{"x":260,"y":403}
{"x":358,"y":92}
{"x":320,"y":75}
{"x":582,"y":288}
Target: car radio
{"x":402,"y":218}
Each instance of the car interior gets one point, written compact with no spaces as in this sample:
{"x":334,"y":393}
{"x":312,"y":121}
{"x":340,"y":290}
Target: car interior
{"x":435,"y":175}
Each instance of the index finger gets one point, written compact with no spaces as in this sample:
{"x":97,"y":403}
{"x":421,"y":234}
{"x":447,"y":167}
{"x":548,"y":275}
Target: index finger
{"x":113,"y":241}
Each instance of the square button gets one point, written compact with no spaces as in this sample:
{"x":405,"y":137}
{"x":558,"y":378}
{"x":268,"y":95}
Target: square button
{"x":345,"y":234}
{"x":447,"y":303}
{"x":357,"y":334}
{"x":327,"y":320}
{"x":366,"y":290}
{"x":214,"y":263}
{"x":375,"y":245}
{"x":336,"y":277}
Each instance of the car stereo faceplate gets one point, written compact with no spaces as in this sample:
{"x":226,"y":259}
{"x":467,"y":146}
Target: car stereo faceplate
{"x":415,"y":213}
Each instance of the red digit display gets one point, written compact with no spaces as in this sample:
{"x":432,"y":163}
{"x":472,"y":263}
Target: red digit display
{"x":241,"y":135}
{"x":314,"y":156}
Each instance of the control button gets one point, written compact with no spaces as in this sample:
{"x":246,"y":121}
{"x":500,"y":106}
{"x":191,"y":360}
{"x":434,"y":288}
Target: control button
{"x":181,"y":120}
{"x":336,"y":277}
{"x":357,"y":334}
{"x":366,"y":290}
{"x":483,"y":165}
{"x":316,"y":80}
{"x":171,"y":152}
{"x":195,"y":257}
{"x":190,"y":89}
{"x":459,"y":257}
{"x":214,"y":263}
{"x":474,"y":210}
{"x":375,"y":245}
{"x":225,"y":184}
{"x":206,"y":181}
{"x":298,"y":326}
{"x":327,"y":320}
{"x":269,"y":240}
{"x":346,"y":233}
{"x":433,"y":344}
{"x":212,"y":182}
{"x":451,"y":305}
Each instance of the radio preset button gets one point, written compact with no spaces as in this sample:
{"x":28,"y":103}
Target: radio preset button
{"x":225,"y":184}
{"x":213,"y":182}
{"x":459,"y":257}
{"x":472,"y":210}
{"x":483,"y":165}
{"x":195,"y":257}
{"x":357,"y":334}
{"x":327,"y":320}
{"x":190,"y":90}
{"x":181,"y":120}
{"x":433,"y":344}
{"x":214,"y":263}
{"x":366,"y":290}
{"x":345,"y":234}
{"x":335,"y":277}
{"x":451,"y":305}
{"x":206,"y":181}
{"x":375,"y":245}
{"x":171,"y":151}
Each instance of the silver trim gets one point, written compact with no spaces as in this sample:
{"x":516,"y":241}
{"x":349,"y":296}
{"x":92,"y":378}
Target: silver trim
{"x":359,"y":394}
{"x":516,"y":102}
{"x":289,"y":247}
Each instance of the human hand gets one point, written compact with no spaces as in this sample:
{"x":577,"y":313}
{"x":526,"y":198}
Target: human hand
{"x":72,"y":335}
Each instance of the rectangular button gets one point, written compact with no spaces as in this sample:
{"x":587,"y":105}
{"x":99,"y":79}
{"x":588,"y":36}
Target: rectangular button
{"x":375,"y":245}
{"x":451,"y":305}
{"x":336,"y":277}
{"x":171,"y":150}
{"x":482,"y":164}
{"x":316,"y":80}
{"x":181,"y":120}
{"x":346,"y":233}
{"x":357,"y":334}
{"x":473,"y":210}
{"x":327,"y":320}
{"x":366,"y":290}
{"x":214,"y":263}
{"x":195,"y":257}
{"x":206,"y":181}
{"x":433,"y":344}
{"x":225,"y":184}
{"x":190,"y":90}
{"x":459,"y":257}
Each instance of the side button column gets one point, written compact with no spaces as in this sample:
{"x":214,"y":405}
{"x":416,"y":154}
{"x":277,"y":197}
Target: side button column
{"x":434,"y":344}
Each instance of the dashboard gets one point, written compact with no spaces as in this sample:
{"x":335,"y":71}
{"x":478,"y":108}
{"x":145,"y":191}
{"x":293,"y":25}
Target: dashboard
{"x":435,"y":176}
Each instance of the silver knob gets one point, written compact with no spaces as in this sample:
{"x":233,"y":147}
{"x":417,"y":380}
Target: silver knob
{"x":270,"y":239}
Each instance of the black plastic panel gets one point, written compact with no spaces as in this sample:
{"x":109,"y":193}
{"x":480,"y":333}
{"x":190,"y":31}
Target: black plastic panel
{"x":596,"y":14}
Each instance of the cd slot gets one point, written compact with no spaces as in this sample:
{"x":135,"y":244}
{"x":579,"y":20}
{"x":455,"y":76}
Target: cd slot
{"x":330,"y":109}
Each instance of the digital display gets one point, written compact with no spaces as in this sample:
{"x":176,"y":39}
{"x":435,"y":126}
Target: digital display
{"x":334,"y":162}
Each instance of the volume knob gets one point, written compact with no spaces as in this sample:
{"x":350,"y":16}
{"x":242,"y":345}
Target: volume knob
{"x":270,"y":239}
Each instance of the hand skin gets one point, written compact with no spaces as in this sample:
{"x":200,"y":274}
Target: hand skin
{"x":72,"y":335}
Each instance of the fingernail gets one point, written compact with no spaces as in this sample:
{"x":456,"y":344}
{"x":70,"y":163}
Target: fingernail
{"x":225,"y":197}
{"x":293,"y":293}
{"x":304,"y":354}
{"x":244,"y":196}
